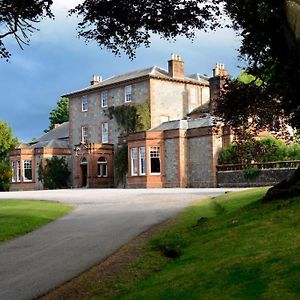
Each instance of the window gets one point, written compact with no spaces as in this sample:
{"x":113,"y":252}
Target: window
{"x":134,"y":162}
{"x":16,"y":171}
{"x":104,"y":133}
{"x":154,"y":160}
{"x":84,"y":103}
{"x":142,"y":161}
{"x":27,"y":170}
{"x":128,"y":93}
{"x":104,"y":99}
{"x":84,"y":135}
{"x":102,"y":167}
{"x":193,"y":92}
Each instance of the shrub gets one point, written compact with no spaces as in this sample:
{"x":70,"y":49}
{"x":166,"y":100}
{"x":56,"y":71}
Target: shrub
{"x":55,"y":174}
{"x":5,"y":175}
{"x":251,"y":173}
{"x":121,"y":162}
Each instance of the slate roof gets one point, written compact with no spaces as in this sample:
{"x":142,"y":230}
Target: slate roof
{"x":184,"y":124}
{"x":154,"y":72}
{"x":56,"y":138}
{"x":202,"y":109}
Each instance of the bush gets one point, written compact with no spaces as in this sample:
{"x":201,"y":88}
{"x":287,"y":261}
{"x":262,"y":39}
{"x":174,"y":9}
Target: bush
{"x":251,"y":173}
{"x":5,"y":175}
{"x":55,"y":174}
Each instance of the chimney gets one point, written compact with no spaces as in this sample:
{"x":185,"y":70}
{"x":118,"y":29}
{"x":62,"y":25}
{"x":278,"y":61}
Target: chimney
{"x":176,"y":66}
{"x":96,"y":79}
{"x":220,"y":71}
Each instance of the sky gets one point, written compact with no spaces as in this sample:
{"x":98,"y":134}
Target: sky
{"x":57,"y":62}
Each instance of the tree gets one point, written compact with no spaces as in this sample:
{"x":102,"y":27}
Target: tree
{"x":59,"y":114}
{"x":55,"y":174}
{"x":7,"y":141}
{"x":5,"y":175}
{"x":18,"y":19}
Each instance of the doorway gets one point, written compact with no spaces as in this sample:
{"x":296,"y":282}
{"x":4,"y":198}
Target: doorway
{"x":83,"y":166}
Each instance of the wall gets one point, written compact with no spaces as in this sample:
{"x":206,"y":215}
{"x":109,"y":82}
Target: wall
{"x":265,"y":178}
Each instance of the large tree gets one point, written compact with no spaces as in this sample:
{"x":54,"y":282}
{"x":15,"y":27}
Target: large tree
{"x":7,"y":140}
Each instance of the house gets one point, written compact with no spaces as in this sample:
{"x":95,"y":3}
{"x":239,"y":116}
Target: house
{"x":27,"y":158}
{"x":179,"y":149}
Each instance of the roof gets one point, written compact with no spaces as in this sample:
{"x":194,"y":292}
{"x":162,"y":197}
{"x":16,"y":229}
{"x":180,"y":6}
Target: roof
{"x":154,"y":72}
{"x":200,"y":77}
{"x":56,"y":138}
{"x":202,"y":109}
{"x":184,"y":124}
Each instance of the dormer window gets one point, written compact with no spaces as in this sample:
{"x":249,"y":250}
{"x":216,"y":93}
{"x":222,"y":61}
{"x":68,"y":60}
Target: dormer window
{"x":84,"y":103}
{"x":128,"y":93}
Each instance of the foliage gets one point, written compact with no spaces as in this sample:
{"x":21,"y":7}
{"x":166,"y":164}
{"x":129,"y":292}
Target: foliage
{"x":131,"y":118}
{"x":251,"y":173}
{"x":5,"y":175}
{"x":121,"y":163}
{"x":56,"y":173}
{"x":19,"y":217}
{"x":267,"y":149}
{"x":18,"y":19}
{"x":7,"y":141}
{"x":122,"y":25}
{"x":59,"y":114}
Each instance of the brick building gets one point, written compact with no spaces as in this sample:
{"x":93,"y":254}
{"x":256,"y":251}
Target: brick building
{"x":181,"y":145}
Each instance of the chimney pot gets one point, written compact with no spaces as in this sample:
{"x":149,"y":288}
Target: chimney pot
{"x":176,"y":66}
{"x":96,"y":79}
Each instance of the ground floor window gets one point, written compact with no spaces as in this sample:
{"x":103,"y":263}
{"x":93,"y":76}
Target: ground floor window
{"x":27,"y":170}
{"x":134,"y":161}
{"x":16,"y":171}
{"x":154,"y":160}
{"x":102,"y":167}
{"x":142,"y":161}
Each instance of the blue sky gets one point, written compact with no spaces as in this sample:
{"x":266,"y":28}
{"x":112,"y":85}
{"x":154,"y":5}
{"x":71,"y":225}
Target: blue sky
{"x":57,"y":62}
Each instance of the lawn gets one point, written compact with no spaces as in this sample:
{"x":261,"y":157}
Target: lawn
{"x":229,"y":247}
{"x":18,"y":217}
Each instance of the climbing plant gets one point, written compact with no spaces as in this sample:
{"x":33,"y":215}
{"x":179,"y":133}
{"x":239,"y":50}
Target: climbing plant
{"x":131,"y":118}
{"x":121,"y":163}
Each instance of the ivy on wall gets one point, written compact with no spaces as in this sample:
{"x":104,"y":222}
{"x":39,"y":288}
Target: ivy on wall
{"x":121,"y":163}
{"x":131,"y":118}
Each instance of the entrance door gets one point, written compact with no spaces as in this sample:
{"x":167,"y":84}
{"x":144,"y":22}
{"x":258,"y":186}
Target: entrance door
{"x":83,"y":166}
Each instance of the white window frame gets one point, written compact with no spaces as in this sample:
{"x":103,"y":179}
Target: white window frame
{"x":14,"y":171}
{"x":84,"y":134}
{"x":27,"y":165}
{"x":134,"y":161}
{"x":104,"y":133}
{"x":84,"y":103}
{"x":104,"y":99}
{"x":100,"y":166}
{"x":128,"y":93}
{"x":154,"y":152}
{"x":142,"y":161}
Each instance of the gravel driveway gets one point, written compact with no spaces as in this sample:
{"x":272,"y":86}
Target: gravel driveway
{"x":104,"y":220}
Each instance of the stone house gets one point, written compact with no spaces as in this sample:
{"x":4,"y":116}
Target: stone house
{"x":180,"y":148}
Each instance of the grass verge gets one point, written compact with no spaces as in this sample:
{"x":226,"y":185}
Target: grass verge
{"x":18,"y":217}
{"x":229,"y":247}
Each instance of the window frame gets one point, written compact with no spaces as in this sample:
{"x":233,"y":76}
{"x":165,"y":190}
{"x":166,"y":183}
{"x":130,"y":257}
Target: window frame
{"x":128,"y":95}
{"x":104,"y":97}
{"x":142,"y":161}
{"x":27,"y":161}
{"x":104,"y":133}
{"x":100,"y":166}
{"x":154,"y":148}
{"x":84,"y":103}
{"x":194,"y":95}
{"x":84,"y":134}
{"x":134,"y":162}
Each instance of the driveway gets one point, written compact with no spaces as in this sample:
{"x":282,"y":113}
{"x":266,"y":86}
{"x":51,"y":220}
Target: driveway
{"x":104,"y":220}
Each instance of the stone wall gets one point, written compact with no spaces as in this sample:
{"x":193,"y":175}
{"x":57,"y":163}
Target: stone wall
{"x":265,"y":178}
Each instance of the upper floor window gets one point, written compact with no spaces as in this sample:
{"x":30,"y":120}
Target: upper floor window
{"x":84,"y":103}
{"x":134,"y":161}
{"x":128,"y":93}
{"x":102,"y":167}
{"x":27,"y":170}
{"x":84,"y":134}
{"x":104,"y":99}
{"x":154,"y":160}
{"x":193,"y":92}
{"x":104,"y":133}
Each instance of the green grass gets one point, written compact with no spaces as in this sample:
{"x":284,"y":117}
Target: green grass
{"x":18,"y":217}
{"x":230,"y":247}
